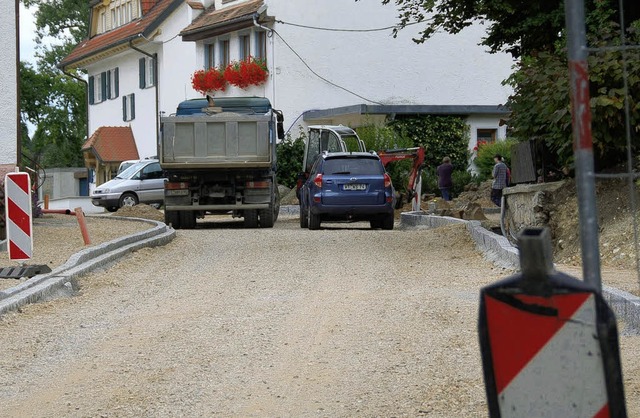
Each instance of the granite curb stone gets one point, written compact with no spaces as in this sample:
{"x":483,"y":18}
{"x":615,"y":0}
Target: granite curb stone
{"x":499,"y":250}
{"x":62,"y":280}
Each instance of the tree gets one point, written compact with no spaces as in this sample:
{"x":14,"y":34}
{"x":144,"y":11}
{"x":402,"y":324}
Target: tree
{"x":514,"y":26}
{"x":51,"y":100}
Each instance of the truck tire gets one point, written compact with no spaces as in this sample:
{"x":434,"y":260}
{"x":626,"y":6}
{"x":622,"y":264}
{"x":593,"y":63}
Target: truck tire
{"x":267,"y":217}
{"x":251,"y":218}
{"x":314,"y":221}
{"x":172,"y":217}
{"x":187,"y":219}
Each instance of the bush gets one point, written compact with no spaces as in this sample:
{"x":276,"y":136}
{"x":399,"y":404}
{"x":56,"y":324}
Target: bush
{"x":290,"y":153}
{"x":460,"y":179}
{"x":484,"y":160}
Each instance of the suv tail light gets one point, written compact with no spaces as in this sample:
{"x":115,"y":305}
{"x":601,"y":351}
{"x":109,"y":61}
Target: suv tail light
{"x":387,"y":180}
{"x":318,"y":181}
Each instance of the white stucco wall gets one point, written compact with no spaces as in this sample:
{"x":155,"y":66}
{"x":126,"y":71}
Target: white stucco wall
{"x":176,"y":64}
{"x":8,"y":84}
{"x":445,"y":70}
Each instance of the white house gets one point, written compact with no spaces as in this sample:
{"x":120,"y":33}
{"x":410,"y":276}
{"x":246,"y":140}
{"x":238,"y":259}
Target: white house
{"x":329,"y":62}
{"x":9,"y":87}
{"x":137,"y":68}
{"x":341,"y":64}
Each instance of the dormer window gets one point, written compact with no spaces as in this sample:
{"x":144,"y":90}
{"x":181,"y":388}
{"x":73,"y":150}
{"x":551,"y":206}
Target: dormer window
{"x":117,"y":13}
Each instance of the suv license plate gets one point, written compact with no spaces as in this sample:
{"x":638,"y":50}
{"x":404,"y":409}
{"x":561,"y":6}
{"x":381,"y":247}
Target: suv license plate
{"x":354,"y":187}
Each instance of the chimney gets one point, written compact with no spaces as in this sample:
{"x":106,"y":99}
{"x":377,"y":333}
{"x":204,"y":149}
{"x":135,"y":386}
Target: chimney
{"x":148,"y":5}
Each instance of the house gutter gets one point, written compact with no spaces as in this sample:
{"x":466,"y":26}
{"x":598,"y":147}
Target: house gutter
{"x":256,"y":15}
{"x":86,"y":94}
{"x":154,"y":57}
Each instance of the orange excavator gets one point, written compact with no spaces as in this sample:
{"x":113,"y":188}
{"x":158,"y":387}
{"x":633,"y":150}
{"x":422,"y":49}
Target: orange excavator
{"x":414,"y":186}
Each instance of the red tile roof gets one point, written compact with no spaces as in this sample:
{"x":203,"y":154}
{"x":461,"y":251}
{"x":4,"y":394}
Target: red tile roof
{"x":112,"y":144}
{"x":123,"y":34}
{"x":228,"y":15}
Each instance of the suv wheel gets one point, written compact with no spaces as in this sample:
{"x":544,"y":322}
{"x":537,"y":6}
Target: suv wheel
{"x":314,"y":220}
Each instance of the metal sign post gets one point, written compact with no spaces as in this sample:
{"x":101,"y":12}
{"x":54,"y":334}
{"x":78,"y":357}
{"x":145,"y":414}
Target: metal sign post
{"x":549,"y":342}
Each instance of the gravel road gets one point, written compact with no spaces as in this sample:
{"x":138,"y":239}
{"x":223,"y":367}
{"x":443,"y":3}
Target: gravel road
{"x":225,"y":321}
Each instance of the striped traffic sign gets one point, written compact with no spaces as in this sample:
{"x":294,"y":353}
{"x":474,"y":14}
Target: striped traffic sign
{"x":549,"y":343}
{"x":18,"y":215}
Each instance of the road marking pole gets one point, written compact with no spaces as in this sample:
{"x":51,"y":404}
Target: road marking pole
{"x":18,"y":216}
{"x":549,"y":342}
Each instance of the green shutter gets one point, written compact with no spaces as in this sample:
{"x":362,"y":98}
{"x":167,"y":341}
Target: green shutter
{"x":103,"y":86}
{"x":206,"y":56}
{"x":91,"y":92}
{"x":108,"y":84}
{"x":116,"y":77}
{"x":133,"y":106}
{"x":124,"y":108}
{"x":141,"y":72}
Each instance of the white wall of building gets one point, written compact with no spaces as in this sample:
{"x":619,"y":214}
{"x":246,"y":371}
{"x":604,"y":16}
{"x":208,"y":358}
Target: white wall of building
{"x":8,"y":84}
{"x":445,"y":70}
{"x":176,"y":60}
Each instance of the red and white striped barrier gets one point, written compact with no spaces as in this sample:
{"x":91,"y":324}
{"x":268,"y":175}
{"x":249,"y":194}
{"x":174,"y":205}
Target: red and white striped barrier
{"x":545,"y":365}
{"x":18,"y":210}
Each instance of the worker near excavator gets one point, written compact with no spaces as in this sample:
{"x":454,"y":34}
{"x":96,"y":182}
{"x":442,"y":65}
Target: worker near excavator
{"x":500,"y":177}
{"x":445,"y":182}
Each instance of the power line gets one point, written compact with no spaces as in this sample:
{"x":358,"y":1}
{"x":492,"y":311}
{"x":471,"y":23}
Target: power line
{"x":321,"y":77}
{"x":395,"y":27}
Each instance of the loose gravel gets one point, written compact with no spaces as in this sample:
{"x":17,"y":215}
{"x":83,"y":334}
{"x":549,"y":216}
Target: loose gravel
{"x":227,"y":321}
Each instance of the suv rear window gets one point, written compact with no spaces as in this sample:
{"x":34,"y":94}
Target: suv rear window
{"x":359,"y":166}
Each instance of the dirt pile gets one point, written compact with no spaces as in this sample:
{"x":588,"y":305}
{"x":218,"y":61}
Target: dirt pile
{"x":476,"y":193}
{"x":140,"y":211}
{"x":615,"y":221}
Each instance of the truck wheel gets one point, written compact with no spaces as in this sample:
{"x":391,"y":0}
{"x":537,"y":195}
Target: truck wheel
{"x":387,"y":222}
{"x":128,"y":199}
{"x":304,"y":220}
{"x":267,"y":217}
{"x":172,"y":217}
{"x":314,"y":220}
{"x":188,"y":219}
{"x":251,"y":218}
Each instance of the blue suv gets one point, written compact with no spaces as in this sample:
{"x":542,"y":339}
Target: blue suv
{"x":347,"y":186}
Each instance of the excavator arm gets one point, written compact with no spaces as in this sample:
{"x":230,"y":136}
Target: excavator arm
{"x":415,"y":176}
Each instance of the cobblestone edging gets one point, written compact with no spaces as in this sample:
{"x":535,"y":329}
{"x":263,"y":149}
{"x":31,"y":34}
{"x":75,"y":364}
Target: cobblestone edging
{"x":499,"y":250}
{"x":61,"y":281}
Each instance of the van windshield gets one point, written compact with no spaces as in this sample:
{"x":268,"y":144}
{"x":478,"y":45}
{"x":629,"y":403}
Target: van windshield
{"x":131,"y":170}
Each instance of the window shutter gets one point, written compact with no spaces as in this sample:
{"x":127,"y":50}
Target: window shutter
{"x":109,"y":84}
{"x":124,"y":108}
{"x":103,"y":85}
{"x":133,"y":106}
{"x":141,"y":72}
{"x":206,"y":56}
{"x":116,"y":80}
{"x":91,"y":91}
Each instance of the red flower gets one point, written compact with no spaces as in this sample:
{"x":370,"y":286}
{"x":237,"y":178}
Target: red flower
{"x":250,"y":72}
{"x":208,"y":81}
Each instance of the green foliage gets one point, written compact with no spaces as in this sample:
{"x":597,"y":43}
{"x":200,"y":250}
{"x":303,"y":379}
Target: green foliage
{"x":460,"y":179}
{"x":290,"y":153}
{"x":52,"y":101}
{"x":514,"y":26}
{"x":484,"y":161}
{"x":440,"y":136}
{"x":541,"y":99}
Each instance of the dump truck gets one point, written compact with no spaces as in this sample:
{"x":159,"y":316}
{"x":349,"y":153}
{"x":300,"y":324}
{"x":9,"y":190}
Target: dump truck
{"x":221,"y":159}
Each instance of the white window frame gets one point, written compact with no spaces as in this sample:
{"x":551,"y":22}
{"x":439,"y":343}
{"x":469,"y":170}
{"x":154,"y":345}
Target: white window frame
{"x":97,"y":89}
{"x":128,"y":111}
{"x":244,"y":45}
{"x":150,"y":75}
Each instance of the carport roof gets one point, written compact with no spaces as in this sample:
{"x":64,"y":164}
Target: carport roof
{"x":362,"y":109}
{"x":112,"y":144}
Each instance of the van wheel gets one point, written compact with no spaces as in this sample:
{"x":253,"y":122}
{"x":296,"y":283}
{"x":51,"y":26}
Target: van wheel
{"x":251,"y":218}
{"x":172,"y":217}
{"x":128,"y":199}
{"x":187,"y":219}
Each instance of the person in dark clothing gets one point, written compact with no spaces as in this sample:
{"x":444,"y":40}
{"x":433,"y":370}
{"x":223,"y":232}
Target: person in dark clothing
{"x":499,"y":175}
{"x":445,"y":183}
